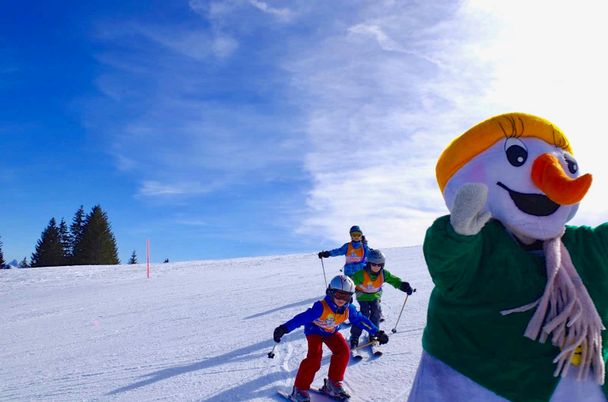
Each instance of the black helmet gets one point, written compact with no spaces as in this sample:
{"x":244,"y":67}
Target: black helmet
{"x":355,"y":229}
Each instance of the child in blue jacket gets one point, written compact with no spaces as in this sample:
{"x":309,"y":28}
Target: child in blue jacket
{"x":355,"y":252}
{"x":321,"y":324}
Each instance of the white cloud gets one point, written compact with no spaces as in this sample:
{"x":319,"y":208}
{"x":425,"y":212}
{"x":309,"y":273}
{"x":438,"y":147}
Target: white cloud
{"x":381,"y":110}
{"x":197,"y":43}
{"x":190,"y":221}
{"x":378,"y":91}
{"x":283,"y":14}
{"x":381,"y":113}
{"x":383,"y":40}
{"x":154,"y":188}
{"x":223,"y":46}
{"x":180,"y":124}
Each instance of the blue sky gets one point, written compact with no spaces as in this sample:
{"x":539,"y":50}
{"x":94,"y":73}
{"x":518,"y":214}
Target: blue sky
{"x":232,"y":128}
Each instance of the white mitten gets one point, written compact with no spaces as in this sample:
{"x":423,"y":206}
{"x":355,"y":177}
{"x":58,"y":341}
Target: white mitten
{"x":467,"y":217}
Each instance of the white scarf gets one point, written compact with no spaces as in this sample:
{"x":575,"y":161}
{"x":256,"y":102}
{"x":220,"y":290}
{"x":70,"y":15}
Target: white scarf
{"x":566,"y":313}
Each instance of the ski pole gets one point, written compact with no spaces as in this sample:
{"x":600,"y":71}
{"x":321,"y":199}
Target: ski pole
{"x":324,"y":277}
{"x":394,"y":330}
{"x":375,"y":342}
{"x":271,"y":353}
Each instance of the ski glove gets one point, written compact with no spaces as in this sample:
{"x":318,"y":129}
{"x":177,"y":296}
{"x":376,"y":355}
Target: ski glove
{"x":279,"y":332}
{"x":324,"y":254}
{"x":405,"y":287}
{"x":467,"y":215}
{"x":381,"y":337}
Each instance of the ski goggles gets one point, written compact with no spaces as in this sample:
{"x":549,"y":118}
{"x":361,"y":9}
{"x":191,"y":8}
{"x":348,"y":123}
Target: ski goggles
{"x":373,"y":264}
{"x":340,"y":295}
{"x":356,"y":235}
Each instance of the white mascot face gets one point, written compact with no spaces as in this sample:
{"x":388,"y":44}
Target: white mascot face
{"x":514,"y":198}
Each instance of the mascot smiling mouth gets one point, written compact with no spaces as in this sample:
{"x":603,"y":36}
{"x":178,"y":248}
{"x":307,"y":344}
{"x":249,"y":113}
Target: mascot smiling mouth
{"x":532,"y":204}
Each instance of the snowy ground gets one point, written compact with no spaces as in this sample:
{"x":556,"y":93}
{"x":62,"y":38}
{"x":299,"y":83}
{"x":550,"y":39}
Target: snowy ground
{"x":194,"y":331}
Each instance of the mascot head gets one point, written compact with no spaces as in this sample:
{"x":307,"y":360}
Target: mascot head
{"x":534,"y":183}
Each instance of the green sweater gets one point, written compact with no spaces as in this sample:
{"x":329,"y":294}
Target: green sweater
{"x":393,"y":280}
{"x":478,"y":276}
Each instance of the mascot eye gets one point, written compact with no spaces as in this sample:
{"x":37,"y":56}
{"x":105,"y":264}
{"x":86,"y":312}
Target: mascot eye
{"x":572,"y":165}
{"x":516,"y":151}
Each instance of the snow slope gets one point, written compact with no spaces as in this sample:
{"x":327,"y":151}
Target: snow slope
{"x":194,"y":331}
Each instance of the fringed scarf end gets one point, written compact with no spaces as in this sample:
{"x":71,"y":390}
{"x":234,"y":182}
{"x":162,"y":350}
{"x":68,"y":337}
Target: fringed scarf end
{"x":566,"y":313}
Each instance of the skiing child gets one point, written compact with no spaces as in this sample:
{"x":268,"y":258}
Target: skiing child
{"x":369,"y":283}
{"x":321,"y":324}
{"x":355,"y":252}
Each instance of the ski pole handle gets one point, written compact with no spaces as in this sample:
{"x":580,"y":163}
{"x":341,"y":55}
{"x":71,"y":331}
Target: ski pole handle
{"x":394,"y":330}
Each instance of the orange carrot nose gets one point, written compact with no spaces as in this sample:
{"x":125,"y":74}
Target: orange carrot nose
{"x":550,"y":178}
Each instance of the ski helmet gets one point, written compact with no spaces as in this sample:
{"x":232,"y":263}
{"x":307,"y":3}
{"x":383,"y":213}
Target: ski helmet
{"x":341,"y":283}
{"x":375,"y":256}
{"x":355,"y":229}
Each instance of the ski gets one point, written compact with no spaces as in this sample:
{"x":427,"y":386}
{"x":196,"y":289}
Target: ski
{"x":376,"y":351}
{"x":356,"y":355}
{"x":285,"y":395}
{"x":315,"y":396}
{"x":325,"y":394}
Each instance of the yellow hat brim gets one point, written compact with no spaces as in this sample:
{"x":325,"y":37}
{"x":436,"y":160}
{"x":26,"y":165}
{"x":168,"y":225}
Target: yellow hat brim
{"x":485,"y":134}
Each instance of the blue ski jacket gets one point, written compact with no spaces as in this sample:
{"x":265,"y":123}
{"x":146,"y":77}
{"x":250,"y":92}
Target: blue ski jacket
{"x":351,"y":268}
{"x":308,"y":318}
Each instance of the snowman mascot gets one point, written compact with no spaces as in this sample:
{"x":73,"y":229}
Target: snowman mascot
{"x":520,"y":299}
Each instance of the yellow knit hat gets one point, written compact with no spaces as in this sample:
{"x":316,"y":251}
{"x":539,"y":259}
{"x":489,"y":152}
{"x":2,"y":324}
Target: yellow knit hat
{"x":485,"y":134}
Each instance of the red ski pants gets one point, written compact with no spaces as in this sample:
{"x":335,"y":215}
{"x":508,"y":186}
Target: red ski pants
{"x":312,"y":363}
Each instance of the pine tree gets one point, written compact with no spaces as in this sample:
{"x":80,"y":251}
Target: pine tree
{"x":66,"y":240}
{"x":23,"y":263}
{"x":1,"y":256}
{"x":133,"y":259}
{"x":97,"y":245}
{"x":49,"y":250}
{"x":76,"y":233}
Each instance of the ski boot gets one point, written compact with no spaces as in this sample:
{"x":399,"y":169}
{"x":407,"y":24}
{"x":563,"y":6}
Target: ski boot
{"x":354,"y":352}
{"x":335,"y":390}
{"x":299,"y":395}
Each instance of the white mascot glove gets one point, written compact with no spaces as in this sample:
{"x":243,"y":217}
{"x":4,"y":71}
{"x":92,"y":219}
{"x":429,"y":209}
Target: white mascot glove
{"x":467,"y":217}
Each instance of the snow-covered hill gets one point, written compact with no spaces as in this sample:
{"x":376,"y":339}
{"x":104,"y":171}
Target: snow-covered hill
{"x":194,"y":331}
